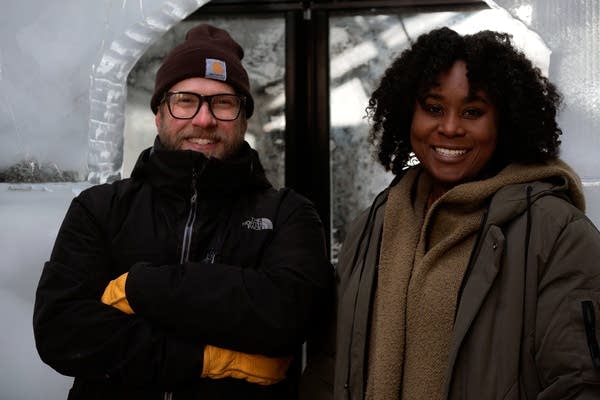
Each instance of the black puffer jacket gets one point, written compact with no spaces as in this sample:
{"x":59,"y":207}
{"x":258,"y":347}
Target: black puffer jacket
{"x":226,"y":260}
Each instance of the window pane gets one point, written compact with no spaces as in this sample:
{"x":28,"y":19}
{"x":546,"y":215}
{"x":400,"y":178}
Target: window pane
{"x":263,"y":40}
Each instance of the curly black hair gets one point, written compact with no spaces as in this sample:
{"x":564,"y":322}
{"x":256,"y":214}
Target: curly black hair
{"x":525,"y":100}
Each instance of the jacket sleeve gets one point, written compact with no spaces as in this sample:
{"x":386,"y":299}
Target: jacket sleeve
{"x":269,"y":309}
{"x":78,"y":335}
{"x":568,"y":315}
{"x":317,"y":382}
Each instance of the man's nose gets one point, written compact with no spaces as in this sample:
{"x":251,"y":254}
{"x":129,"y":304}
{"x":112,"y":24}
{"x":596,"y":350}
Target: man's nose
{"x":204,"y":116}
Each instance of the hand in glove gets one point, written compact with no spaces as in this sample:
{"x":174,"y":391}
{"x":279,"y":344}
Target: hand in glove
{"x":218,"y":363}
{"x":255,"y":368}
{"x":114,"y":294}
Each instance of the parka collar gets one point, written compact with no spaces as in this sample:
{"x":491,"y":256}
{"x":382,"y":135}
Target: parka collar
{"x":174,"y":170}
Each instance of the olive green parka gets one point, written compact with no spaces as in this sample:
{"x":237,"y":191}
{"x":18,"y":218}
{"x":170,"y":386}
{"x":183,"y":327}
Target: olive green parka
{"x":525,"y":323}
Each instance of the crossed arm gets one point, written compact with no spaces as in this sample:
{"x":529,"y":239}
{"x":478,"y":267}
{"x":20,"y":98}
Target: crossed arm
{"x":179,"y":309}
{"x":217,"y":363}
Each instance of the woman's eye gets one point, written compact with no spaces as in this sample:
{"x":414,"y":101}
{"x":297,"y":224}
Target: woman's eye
{"x":433,"y":109}
{"x":473,"y":113}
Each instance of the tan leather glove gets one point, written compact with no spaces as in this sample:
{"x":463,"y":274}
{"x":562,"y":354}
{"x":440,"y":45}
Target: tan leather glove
{"x":254,"y":368}
{"x":114,"y":294}
{"x":218,"y":363}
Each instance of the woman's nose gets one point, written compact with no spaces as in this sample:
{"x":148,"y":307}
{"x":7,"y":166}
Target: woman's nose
{"x":450,"y":125}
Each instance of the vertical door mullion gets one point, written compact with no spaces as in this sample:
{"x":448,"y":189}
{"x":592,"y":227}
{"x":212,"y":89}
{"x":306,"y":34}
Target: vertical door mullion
{"x":321,"y":187}
{"x":296,"y":122}
{"x":307,"y":109}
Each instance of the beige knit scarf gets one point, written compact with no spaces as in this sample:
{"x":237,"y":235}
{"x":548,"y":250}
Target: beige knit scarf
{"x":422,"y":263}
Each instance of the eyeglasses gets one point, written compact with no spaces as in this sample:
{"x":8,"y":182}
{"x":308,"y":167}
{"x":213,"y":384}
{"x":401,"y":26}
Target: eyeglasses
{"x":222,"y":106}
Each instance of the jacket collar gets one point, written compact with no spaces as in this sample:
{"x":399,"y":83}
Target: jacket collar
{"x":173,"y":171}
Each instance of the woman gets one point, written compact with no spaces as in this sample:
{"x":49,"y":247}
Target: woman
{"x":475,"y":275}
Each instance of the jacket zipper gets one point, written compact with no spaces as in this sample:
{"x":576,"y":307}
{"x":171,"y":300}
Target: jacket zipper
{"x":189,"y":225}
{"x":187,"y":238}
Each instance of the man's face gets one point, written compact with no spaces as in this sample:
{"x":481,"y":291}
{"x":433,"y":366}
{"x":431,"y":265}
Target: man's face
{"x":203,"y":133}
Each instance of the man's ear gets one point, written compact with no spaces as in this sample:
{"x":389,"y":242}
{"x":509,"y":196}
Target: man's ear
{"x":243,"y":121}
{"x":244,"y":125}
{"x":158,"y":116}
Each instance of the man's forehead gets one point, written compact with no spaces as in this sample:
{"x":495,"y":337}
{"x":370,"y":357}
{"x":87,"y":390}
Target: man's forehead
{"x":201,"y":85}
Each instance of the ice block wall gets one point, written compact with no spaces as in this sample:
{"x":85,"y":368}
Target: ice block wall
{"x":63,"y":70}
{"x":571,"y":29}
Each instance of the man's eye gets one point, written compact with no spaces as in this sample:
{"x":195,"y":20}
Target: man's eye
{"x":224,"y":101}
{"x":184,"y":99}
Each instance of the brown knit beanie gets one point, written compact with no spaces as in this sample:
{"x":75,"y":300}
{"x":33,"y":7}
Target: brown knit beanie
{"x":207,"y":52}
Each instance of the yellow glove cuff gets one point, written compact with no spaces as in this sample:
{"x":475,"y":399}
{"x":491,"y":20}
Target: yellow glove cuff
{"x":114,"y":294}
{"x":255,"y":368}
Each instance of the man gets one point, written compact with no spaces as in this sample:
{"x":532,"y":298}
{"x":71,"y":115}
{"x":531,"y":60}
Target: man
{"x":193,"y":279}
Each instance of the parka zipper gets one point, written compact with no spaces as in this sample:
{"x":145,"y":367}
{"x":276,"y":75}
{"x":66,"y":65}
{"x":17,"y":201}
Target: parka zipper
{"x":520,"y":371}
{"x":187,"y":237}
{"x":189,"y":225}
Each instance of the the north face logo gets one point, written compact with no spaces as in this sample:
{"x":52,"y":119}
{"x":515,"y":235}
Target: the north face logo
{"x":258,"y":224}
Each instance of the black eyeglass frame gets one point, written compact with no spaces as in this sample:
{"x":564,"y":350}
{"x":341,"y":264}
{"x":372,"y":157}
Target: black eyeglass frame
{"x":208,"y":100}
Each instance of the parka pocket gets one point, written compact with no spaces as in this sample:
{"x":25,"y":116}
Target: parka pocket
{"x":565,"y":356}
{"x":584,"y":309}
{"x":589,"y":321}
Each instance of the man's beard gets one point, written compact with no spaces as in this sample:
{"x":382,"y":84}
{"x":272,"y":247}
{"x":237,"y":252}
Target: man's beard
{"x":230,"y":146}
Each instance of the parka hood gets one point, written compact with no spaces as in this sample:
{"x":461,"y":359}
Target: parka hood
{"x":507,"y":190}
{"x":553,"y":178}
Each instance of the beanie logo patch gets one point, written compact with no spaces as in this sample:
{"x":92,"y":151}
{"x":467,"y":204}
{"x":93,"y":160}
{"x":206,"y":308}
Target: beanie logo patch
{"x":216,"y":69}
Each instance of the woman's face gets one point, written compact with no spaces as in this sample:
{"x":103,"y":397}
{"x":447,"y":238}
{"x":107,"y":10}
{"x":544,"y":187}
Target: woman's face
{"x":453,"y":133}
